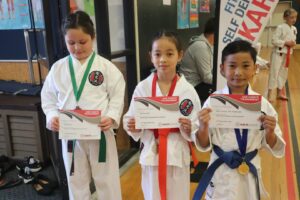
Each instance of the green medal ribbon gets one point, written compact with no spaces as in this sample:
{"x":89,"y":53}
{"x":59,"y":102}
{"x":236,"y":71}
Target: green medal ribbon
{"x":77,"y":94}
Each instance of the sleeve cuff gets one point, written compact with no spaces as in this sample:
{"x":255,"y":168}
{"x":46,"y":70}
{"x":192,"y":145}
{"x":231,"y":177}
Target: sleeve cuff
{"x":49,"y":116}
{"x":135,"y":136}
{"x":278,"y":149}
{"x":185,"y":136}
{"x":116,"y":119}
{"x":198,"y":146}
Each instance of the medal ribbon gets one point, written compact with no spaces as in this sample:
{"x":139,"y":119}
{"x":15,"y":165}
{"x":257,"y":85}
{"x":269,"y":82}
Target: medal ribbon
{"x":77,"y":94}
{"x":241,"y":139}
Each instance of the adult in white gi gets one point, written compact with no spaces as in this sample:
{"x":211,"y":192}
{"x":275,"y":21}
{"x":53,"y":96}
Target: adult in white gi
{"x":283,"y":39}
{"x":227,"y":183}
{"x":178,"y":152}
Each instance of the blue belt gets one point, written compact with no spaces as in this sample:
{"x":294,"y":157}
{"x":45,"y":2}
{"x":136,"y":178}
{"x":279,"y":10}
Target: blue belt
{"x":232,"y":159}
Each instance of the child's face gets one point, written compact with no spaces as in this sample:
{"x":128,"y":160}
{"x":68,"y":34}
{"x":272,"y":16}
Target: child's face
{"x":79,"y":43}
{"x":291,"y":20}
{"x":238,"y":69}
{"x":165,"y":56}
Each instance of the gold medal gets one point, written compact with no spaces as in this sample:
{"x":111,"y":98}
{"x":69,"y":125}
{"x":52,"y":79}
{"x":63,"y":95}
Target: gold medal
{"x":243,"y":169}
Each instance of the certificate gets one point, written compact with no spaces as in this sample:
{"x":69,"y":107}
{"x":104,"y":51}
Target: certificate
{"x":79,"y":124}
{"x":156,"y":112}
{"x":235,"y":111}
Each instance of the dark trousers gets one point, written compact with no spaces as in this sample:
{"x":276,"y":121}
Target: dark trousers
{"x":204,"y":90}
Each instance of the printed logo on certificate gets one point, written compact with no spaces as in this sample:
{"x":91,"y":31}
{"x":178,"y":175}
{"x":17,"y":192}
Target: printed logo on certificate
{"x":235,"y":111}
{"x":79,"y":124}
{"x":156,"y":112}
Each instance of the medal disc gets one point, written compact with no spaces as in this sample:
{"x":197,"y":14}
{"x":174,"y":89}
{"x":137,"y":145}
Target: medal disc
{"x":243,"y":169}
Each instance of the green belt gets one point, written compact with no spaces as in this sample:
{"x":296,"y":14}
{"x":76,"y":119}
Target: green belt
{"x":102,"y":148}
{"x":102,"y":151}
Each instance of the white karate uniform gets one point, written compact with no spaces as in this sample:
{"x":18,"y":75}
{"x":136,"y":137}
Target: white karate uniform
{"x":104,"y":90}
{"x":278,"y":72}
{"x":178,"y":152}
{"x":227,"y":183}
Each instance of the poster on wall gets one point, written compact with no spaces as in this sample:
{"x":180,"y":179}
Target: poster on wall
{"x":89,"y":7}
{"x":183,"y":14}
{"x":241,"y":20}
{"x":204,"y":6}
{"x":14,"y":14}
{"x":194,"y":14}
{"x":38,"y":14}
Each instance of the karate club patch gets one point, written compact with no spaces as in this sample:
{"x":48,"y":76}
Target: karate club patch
{"x":96,"y":78}
{"x":186,"y":107}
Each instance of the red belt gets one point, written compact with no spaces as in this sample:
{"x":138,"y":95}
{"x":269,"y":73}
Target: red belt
{"x":287,"y":59}
{"x":162,"y":135}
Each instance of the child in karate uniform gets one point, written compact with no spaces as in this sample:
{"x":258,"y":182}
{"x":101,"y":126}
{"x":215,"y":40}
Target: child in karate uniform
{"x":165,"y":53}
{"x":284,"y":39}
{"x":101,"y":86}
{"x":240,"y":178}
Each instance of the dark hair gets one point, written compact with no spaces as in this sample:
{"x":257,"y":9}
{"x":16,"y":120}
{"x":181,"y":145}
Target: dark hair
{"x":76,"y":20}
{"x":172,"y":36}
{"x":238,"y":46}
{"x":288,"y":12}
{"x":209,"y":27}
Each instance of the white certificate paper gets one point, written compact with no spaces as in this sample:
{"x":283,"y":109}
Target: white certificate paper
{"x":235,"y":111}
{"x":156,"y":112}
{"x":79,"y":124}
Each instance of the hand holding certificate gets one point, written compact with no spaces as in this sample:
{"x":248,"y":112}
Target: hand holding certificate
{"x":156,"y":112}
{"x":235,"y":111}
{"x":79,"y":124}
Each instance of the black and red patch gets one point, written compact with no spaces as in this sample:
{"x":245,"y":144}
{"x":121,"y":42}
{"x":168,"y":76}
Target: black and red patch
{"x":96,"y":78}
{"x":186,"y":107}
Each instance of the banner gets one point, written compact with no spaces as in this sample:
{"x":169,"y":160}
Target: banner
{"x":241,"y":19}
{"x":38,"y":14}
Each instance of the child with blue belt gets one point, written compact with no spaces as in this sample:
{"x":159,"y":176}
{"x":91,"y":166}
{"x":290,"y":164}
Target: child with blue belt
{"x":234,"y":149}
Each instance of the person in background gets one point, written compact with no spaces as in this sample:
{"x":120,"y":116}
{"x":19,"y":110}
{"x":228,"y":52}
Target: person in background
{"x":238,"y":172}
{"x":197,"y":62}
{"x":167,"y":178}
{"x":283,"y":40}
{"x":101,"y":86}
